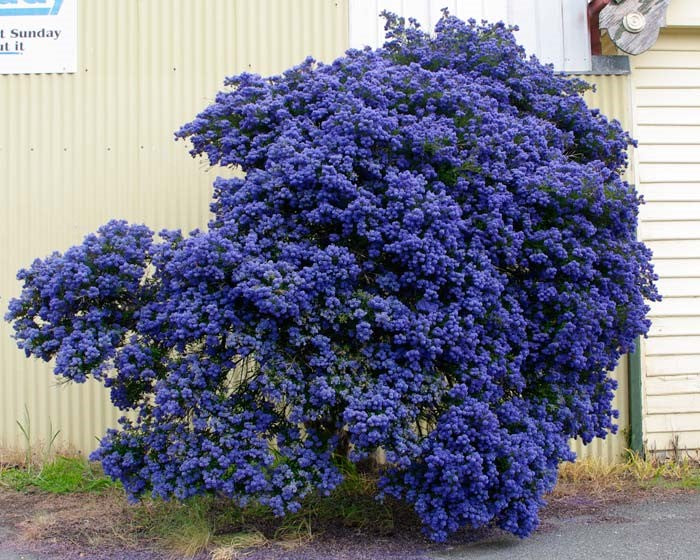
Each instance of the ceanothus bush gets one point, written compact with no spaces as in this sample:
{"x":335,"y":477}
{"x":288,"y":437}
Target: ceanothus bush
{"x":430,"y":251}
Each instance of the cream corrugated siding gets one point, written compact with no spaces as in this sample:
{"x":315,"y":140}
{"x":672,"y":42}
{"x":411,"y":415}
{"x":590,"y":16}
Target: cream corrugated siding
{"x":77,"y":150}
{"x":612,"y":97}
{"x":667,"y":124}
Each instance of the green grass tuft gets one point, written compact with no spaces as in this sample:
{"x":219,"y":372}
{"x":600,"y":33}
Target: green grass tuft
{"x":60,"y":476}
{"x":17,"y":479}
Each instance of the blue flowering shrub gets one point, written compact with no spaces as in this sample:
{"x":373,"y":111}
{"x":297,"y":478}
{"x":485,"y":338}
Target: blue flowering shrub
{"x":431,"y":252}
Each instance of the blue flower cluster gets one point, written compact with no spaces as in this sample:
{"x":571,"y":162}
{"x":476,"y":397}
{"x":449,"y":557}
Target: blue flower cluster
{"x":431,"y":252}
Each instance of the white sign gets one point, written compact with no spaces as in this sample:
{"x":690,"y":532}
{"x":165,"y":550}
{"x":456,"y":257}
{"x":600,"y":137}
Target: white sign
{"x":38,"y":36}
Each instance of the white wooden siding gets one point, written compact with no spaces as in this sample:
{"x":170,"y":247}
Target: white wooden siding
{"x":675,"y":248}
{"x":677,"y":307}
{"x":683,"y":13}
{"x":666,"y":92}
{"x":554,"y":30}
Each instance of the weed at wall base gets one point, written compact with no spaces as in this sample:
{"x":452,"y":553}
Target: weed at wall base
{"x":61,"y":476}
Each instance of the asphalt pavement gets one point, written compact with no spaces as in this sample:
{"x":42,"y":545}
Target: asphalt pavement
{"x":655,"y":530}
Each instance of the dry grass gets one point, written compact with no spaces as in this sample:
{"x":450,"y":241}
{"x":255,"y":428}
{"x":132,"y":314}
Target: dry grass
{"x":12,"y":457}
{"x":636,"y":468}
{"x":236,"y":545}
{"x":590,"y":486}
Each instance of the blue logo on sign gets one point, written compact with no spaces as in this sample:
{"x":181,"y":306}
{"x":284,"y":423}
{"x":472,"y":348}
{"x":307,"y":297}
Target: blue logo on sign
{"x":30,"y":7}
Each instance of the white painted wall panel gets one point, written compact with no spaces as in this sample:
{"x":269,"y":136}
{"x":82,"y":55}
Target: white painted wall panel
{"x":673,"y":77}
{"x":674,"y":404}
{"x":671,"y":192}
{"x":675,"y":326}
{"x":556,"y":31}
{"x":676,"y":307}
{"x":667,"y":134}
{"x":576,"y":38}
{"x":667,"y":153}
{"x":678,"y":287}
{"x":670,"y":172}
{"x":664,"y":59}
{"x":654,"y":211}
{"x":676,"y":364}
{"x":684,"y":116}
{"x":678,"y":268}
{"x":669,"y":229}
{"x":663,"y":97}
{"x":686,"y":443}
{"x":673,"y":385}
{"x":683,"y":13}
{"x":675,"y":248}
{"x":682,"y":40}
{"x":495,"y":10}
{"x":672,"y":423}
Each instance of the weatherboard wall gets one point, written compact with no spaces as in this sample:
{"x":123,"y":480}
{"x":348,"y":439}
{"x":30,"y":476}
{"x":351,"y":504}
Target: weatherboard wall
{"x":666,"y":93}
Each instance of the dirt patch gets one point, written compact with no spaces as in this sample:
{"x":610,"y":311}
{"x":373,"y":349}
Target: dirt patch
{"x":72,"y":525}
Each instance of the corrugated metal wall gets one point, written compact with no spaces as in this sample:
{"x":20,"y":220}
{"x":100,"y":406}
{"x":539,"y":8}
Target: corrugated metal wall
{"x":79,"y":149}
{"x":612,"y":97}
